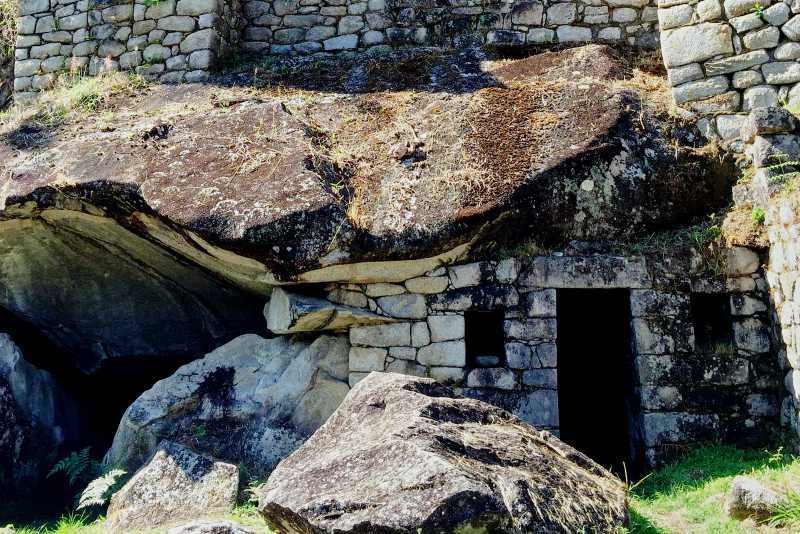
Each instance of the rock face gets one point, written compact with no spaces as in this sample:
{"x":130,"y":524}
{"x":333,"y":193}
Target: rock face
{"x":211,"y":527}
{"x":750,"y":498}
{"x":404,"y":454}
{"x":177,"y":484}
{"x":559,"y":157}
{"x":100,"y":292}
{"x":288,"y":313}
{"x":36,"y":416}
{"x":250,"y":402}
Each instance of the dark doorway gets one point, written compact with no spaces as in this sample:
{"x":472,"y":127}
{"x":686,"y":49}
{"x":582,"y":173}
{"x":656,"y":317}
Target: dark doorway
{"x":484,"y":338}
{"x":595,"y":376}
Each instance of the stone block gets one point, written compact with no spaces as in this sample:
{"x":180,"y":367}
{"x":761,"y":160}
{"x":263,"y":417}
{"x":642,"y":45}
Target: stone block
{"x":527,"y":13}
{"x":530,"y":329}
{"x":709,"y":10}
{"x":539,"y":408}
{"x":446,"y":327}
{"x":388,"y":335}
{"x":541,"y":378}
{"x":541,"y":303}
{"x":30,"y":7}
{"x":202,"y":59}
{"x":759,"y":96}
{"x":465,"y":275}
{"x":700,"y":90}
{"x":590,"y":272}
{"x":737,"y":8}
{"x":195,"y":8}
{"x":746,"y":305}
{"x":624,"y":14}
{"x":657,"y":398}
{"x":177,"y":24}
{"x":564,"y":13}
{"x":446,"y":353}
{"x":736,"y":63}
{"x":507,"y":271}
{"x":649,"y":302}
{"x":792,"y":28}
{"x":545,"y":355}
{"x":355,"y":377}
{"x":505,"y":37}
{"x":403,"y":353}
{"x":343,"y":42}
{"x":371,"y":38}
{"x":406,"y":306}
{"x":364,"y":360}
{"x":675,"y":427}
{"x":420,"y":336}
{"x":745,"y":23}
{"x":747,"y":78}
{"x":692,"y":44}
{"x":764,"y":38}
{"x":762,"y":405}
{"x":540,"y":36}
{"x":53,"y":64}
{"x":675,"y":16}
{"x":740,"y":260}
{"x":773,"y":149}
{"x":760,"y":122}
{"x":196,"y":76}
{"x":686,"y":73}
{"x":118,"y":13}
{"x":730,"y":126}
{"x":45,"y":51}
{"x":156,"y":53}
{"x":350,"y":24}
{"x":497,"y":378}
{"x":159,"y":10}
{"x":143,"y":27}
{"x":781,"y":72}
{"x":777,"y":15}
{"x":573,"y":34}
{"x":751,"y":335}
{"x":57,"y":37}
{"x":518,"y":355}
{"x":427,"y":284}
{"x":285,"y":7}
{"x":200,"y":40}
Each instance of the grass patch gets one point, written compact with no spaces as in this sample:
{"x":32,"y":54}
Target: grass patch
{"x":73,"y":97}
{"x":689,"y":496}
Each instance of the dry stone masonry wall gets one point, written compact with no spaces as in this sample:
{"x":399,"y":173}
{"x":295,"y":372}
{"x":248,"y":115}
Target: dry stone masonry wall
{"x":170,"y":40}
{"x":181,"y":40}
{"x":686,"y":393}
{"x":731,"y":56}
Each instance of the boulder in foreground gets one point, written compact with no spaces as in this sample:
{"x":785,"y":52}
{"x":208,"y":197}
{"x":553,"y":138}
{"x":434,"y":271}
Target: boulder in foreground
{"x":177,"y":484}
{"x":406,"y":455}
{"x":750,"y":498}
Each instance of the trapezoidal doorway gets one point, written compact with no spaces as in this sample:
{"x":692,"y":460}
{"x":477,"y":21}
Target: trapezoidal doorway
{"x":595,"y":376}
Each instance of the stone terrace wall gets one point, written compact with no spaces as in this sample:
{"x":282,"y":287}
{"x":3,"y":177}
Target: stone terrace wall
{"x":683,"y":396}
{"x":175,"y":41}
{"x":729,"y":57}
{"x":170,"y":41}
{"x":304,"y":26}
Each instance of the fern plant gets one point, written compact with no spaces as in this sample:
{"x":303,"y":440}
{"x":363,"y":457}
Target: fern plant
{"x":77,"y":467}
{"x":100,"y":490}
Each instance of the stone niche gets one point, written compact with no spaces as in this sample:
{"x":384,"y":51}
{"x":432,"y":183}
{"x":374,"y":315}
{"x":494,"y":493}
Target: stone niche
{"x":182,"y":40}
{"x":666,"y":358}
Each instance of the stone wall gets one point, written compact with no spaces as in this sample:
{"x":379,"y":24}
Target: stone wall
{"x":174,"y":41}
{"x":772,"y":134}
{"x":685,"y":395}
{"x":725,"y":57}
{"x":170,"y":40}
{"x":304,"y":26}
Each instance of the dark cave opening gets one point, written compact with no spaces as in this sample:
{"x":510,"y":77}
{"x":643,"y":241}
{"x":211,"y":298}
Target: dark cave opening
{"x":100,"y":400}
{"x":596,"y":393}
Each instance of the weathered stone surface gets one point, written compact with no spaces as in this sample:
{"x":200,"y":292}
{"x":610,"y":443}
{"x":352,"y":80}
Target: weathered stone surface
{"x":256,"y":400}
{"x":288,"y":313}
{"x":211,"y":526}
{"x":176,"y":484}
{"x":492,"y":377}
{"x":445,"y":353}
{"x":452,"y":454}
{"x":446,"y":327}
{"x":691,"y":44}
{"x":389,"y":335}
{"x":763,"y":121}
{"x":406,"y":306}
{"x":736,"y":63}
{"x":700,"y":90}
{"x":750,"y":498}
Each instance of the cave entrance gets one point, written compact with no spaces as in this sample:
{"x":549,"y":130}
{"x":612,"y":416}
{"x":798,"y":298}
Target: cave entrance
{"x":596,"y":393}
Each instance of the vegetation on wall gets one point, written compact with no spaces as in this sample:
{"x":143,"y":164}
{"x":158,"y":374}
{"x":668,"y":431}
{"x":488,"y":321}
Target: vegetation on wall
{"x":8,"y":35}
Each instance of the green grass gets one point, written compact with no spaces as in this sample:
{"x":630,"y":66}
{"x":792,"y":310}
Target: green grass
{"x":689,"y":496}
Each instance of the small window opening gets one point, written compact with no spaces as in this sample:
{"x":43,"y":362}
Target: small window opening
{"x":713,"y":326}
{"x":484,"y":338}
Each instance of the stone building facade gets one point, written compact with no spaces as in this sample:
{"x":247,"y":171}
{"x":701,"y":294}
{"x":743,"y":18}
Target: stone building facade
{"x":726,"y":58}
{"x":683,"y":389}
{"x":182,"y":40}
